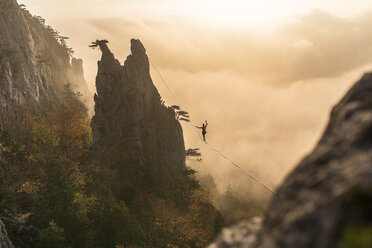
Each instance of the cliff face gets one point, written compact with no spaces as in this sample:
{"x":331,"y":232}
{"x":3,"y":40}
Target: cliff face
{"x":34,"y":60}
{"x":329,"y":192}
{"x":130,"y":115}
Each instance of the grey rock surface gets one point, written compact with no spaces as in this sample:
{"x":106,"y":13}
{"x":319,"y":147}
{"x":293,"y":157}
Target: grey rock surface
{"x":4,"y":240}
{"x":19,"y":232}
{"x":242,"y":235}
{"x":130,"y":114}
{"x":34,"y":65}
{"x":329,"y":190}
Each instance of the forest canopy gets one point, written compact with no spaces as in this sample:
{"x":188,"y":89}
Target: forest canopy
{"x":73,"y":198}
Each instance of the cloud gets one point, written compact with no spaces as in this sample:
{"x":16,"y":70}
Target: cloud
{"x":229,"y":76}
{"x":317,"y":45}
{"x":337,"y":45}
{"x":264,"y":129}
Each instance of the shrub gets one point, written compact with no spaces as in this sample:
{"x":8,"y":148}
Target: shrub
{"x":52,"y":236}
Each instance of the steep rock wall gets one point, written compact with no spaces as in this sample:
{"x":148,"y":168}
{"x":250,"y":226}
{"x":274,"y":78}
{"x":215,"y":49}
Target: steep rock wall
{"x":34,"y":64}
{"x":130,"y":114}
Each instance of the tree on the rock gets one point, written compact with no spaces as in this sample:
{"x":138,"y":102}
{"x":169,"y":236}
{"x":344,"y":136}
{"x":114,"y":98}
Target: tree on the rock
{"x":97,"y":43}
{"x":193,"y":154}
{"x":181,"y":115}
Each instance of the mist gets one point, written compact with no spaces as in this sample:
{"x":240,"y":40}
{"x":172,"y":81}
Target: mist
{"x":266,"y":92}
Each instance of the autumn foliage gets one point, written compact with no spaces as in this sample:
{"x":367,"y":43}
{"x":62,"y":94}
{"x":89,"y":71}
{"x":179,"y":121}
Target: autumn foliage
{"x":75,"y":198}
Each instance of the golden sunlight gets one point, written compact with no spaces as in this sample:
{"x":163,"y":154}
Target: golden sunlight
{"x":239,"y":12}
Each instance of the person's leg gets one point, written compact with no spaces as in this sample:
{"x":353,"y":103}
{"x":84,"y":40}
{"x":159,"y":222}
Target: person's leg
{"x":204,"y":136}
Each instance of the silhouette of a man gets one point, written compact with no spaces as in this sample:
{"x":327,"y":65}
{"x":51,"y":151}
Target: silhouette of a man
{"x":204,"y":129}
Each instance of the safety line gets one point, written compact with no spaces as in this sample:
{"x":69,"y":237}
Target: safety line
{"x":173,"y":95}
{"x":162,"y":79}
{"x":246,"y":172}
{"x":256,"y":179}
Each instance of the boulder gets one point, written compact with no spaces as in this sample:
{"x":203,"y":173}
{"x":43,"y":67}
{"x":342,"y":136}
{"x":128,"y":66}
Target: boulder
{"x":330,"y":192}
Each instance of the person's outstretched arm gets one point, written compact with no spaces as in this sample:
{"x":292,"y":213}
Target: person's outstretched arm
{"x":198,"y":127}
{"x":206,"y":123}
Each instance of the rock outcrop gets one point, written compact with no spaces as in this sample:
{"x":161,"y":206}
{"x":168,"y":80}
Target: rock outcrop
{"x":130,"y":115}
{"x":4,"y":240}
{"x":34,"y":60}
{"x":76,"y":77}
{"x":330,"y":190}
{"x":19,"y":231}
{"x":241,"y":235}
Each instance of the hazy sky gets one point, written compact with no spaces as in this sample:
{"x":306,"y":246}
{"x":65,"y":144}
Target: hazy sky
{"x":265,"y":73}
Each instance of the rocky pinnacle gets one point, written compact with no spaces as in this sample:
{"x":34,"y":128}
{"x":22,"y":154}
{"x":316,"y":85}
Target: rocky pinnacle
{"x":130,"y":115}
